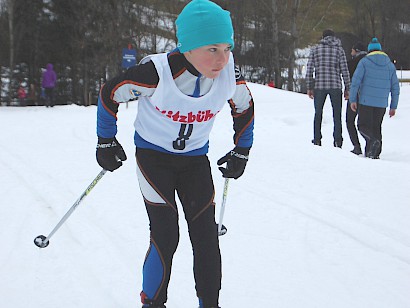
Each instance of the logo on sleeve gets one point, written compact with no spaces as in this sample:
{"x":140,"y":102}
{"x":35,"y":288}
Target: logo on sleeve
{"x":238,"y":73}
{"x":134,"y":93}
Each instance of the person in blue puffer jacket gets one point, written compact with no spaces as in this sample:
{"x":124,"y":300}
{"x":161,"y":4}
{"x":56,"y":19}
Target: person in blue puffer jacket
{"x":375,"y":78}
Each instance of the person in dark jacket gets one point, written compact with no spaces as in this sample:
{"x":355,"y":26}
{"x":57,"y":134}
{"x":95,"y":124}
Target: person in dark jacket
{"x":179,"y":95}
{"x":327,"y":61}
{"x":359,"y":50}
{"x":48,"y":83}
{"x":375,"y":78}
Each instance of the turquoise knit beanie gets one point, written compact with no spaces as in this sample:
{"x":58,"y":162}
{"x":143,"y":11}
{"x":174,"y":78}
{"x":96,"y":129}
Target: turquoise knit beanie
{"x":201,"y":23}
{"x":374,"y":45}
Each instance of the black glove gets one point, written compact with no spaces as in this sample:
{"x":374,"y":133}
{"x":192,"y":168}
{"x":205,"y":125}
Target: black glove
{"x":235,"y":162}
{"x":110,"y":153}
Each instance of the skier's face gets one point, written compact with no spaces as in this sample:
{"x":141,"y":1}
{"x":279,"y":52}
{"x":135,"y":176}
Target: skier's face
{"x":209,"y":60}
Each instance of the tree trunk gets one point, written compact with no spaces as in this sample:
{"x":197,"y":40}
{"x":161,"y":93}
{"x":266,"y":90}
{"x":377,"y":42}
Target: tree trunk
{"x":294,"y":37}
{"x":275,"y":41}
{"x":10,"y":4}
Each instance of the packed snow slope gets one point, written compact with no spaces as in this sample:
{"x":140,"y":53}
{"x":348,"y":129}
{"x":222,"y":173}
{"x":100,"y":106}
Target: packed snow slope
{"x":308,"y":226}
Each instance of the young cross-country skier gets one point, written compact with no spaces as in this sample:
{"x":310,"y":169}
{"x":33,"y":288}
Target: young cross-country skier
{"x":179,"y":94}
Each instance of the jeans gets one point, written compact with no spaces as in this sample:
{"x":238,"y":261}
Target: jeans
{"x":319,"y":101}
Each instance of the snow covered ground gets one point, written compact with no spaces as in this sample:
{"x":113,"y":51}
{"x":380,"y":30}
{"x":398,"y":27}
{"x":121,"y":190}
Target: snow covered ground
{"x":311,"y":227}
{"x":403,"y":74}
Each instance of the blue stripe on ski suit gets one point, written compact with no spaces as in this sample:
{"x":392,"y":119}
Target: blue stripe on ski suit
{"x":153,"y":272}
{"x":143,"y":144}
{"x":246,"y":138}
{"x":106,"y":122}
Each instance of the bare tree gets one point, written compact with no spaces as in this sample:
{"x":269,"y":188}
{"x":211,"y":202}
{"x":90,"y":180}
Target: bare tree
{"x":10,"y":9}
{"x":275,"y":42}
{"x":294,"y":39}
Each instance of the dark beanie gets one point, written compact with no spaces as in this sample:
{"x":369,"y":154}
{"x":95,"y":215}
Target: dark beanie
{"x":374,"y":45}
{"x":328,"y":32}
{"x":359,"y":46}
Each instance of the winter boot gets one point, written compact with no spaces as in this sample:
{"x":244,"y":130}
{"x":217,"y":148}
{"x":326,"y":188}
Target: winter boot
{"x":374,"y":149}
{"x":317,"y":142}
{"x":337,"y":143}
{"x":357,"y":150}
{"x":148,"y":303}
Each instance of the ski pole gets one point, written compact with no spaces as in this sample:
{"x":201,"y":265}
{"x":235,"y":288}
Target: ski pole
{"x":43,"y":241}
{"x":221,"y":228}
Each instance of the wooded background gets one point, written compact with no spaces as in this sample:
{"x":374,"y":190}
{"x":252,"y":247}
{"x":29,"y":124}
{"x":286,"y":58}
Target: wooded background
{"x":84,"y":39}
